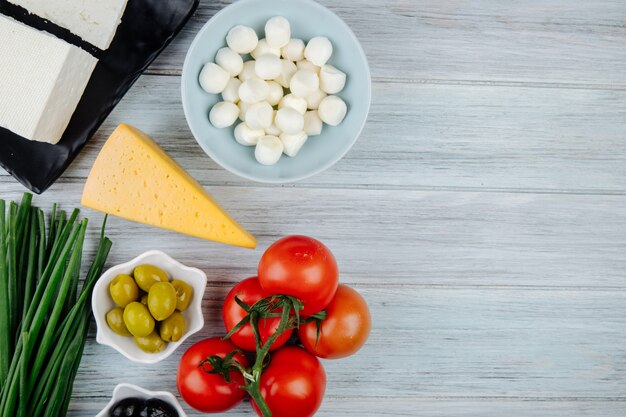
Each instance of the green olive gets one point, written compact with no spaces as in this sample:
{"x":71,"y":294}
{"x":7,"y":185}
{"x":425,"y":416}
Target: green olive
{"x":138,"y":319}
{"x":148,"y":275}
{"x":162,"y":300}
{"x":150,"y":343}
{"x":173,"y":328}
{"x":115,"y":320}
{"x":123,"y":290}
{"x":184,"y":292}
{"x":144,"y":299}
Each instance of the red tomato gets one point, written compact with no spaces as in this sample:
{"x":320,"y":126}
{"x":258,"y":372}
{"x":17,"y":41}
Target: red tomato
{"x":302,"y":267}
{"x":293,"y":384}
{"x":209,"y":393}
{"x":345,"y":330}
{"x":249,"y":291}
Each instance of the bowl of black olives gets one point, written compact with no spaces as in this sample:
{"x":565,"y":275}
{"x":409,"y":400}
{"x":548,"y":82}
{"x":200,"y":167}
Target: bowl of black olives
{"x":132,"y":401}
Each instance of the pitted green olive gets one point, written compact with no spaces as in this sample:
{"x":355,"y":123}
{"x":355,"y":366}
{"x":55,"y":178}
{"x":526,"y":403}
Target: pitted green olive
{"x":173,"y":328}
{"x":148,"y":275}
{"x":150,"y":343}
{"x":162,"y":300}
{"x":115,"y":320}
{"x":138,"y":319}
{"x":184,"y":292}
{"x":123,"y":290}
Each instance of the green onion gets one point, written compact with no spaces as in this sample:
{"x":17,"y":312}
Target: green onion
{"x":44,"y":318}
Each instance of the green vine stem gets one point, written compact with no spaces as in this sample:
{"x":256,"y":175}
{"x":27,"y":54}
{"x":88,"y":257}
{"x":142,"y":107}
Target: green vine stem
{"x":262,"y":309}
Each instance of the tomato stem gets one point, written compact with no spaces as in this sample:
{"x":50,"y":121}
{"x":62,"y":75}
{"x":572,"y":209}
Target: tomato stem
{"x":263,"y":308}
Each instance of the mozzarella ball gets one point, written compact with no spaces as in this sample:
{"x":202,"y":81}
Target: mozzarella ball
{"x":276,"y":93}
{"x":288,"y":69}
{"x":293,"y":143}
{"x":273,"y":130}
{"x":246,"y":136}
{"x":313,"y":100}
{"x":260,"y":115}
{"x":304,"y":83}
{"x":242,"y":39}
{"x":223,"y":114}
{"x":294,"y":50}
{"x":268,"y":67}
{"x":277,"y":32}
{"x":268,"y":150}
{"x":253,"y":90}
{"x":332,"y":110}
{"x":243,"y":108}
{"x":312,"y":123}
{"x":248,"y":71}
{"x":231,"y":92}
{"x":289,"y":120}
{"x":296,"y":103}
{"x":263,"y":48}
{"x":304,"y":64}
{"x":318,"y":50}
{"x":213,"y":78}
{"x":332,"y":80}
{"x":229,"y":60}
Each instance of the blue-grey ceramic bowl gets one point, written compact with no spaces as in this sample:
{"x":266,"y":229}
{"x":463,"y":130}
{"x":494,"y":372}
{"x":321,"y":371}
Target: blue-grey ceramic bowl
{"x":308,"y":19}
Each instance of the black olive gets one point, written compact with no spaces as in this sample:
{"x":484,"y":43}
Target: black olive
{"x":158,"y":408}
{"x":128,"y":407}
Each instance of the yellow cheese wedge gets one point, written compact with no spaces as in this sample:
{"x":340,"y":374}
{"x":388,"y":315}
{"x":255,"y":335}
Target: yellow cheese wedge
{"x":135,"y":179}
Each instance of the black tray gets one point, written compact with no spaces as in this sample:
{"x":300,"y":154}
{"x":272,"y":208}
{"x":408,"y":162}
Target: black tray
{"x":147,"y":28}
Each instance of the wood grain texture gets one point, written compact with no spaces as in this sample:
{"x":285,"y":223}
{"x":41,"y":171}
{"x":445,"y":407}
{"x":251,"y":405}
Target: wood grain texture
{"x":482,"y":213}
{"x":555,"y":41}
{"x":424,"y":136}
{"x":541,"y":345}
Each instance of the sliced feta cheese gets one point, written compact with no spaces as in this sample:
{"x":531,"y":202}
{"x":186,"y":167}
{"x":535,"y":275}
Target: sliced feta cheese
{"x":42,"y":80}
{"x":95,"y":21}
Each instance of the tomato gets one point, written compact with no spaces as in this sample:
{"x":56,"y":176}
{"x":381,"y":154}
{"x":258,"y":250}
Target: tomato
{"x":209,"y":393}
{"x":249,"y":291}
{"x":302,"y":267}
{"x":293,"y":384}
{"x":345,"y":330}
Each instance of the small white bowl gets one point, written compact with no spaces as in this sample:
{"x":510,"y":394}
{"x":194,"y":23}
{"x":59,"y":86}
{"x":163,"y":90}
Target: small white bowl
{"x":102,"y":302}
{"x":129,"y":390}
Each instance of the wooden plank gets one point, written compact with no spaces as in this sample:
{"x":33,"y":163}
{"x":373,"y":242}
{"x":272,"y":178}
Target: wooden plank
{"x":499,"y":345}
{"x":396,"y":237}
{"x":535,"y":41}
{"x":429,"y":137}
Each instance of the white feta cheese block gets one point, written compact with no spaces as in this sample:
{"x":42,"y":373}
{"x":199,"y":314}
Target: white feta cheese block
{"x":95,"y":21}
{"x":42,"y":79}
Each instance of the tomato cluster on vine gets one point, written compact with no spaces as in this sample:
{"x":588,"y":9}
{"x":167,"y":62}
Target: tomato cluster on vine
{"x":296,"y":290}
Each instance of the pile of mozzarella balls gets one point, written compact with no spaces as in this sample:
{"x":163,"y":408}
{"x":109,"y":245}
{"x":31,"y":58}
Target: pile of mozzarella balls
{"x":282,"y":95}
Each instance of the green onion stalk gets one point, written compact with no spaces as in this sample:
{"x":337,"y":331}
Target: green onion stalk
{"x":44,"y":315}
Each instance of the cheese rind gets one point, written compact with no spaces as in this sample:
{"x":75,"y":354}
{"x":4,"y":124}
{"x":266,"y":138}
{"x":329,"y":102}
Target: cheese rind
{"x":95,"y":21}
{"x":135,"y":179}
{"x":42,"y":81}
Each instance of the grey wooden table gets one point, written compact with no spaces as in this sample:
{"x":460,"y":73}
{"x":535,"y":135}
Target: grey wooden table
{"x":482,"y":213}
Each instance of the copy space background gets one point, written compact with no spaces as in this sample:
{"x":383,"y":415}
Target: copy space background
{"x":482,"y":213}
